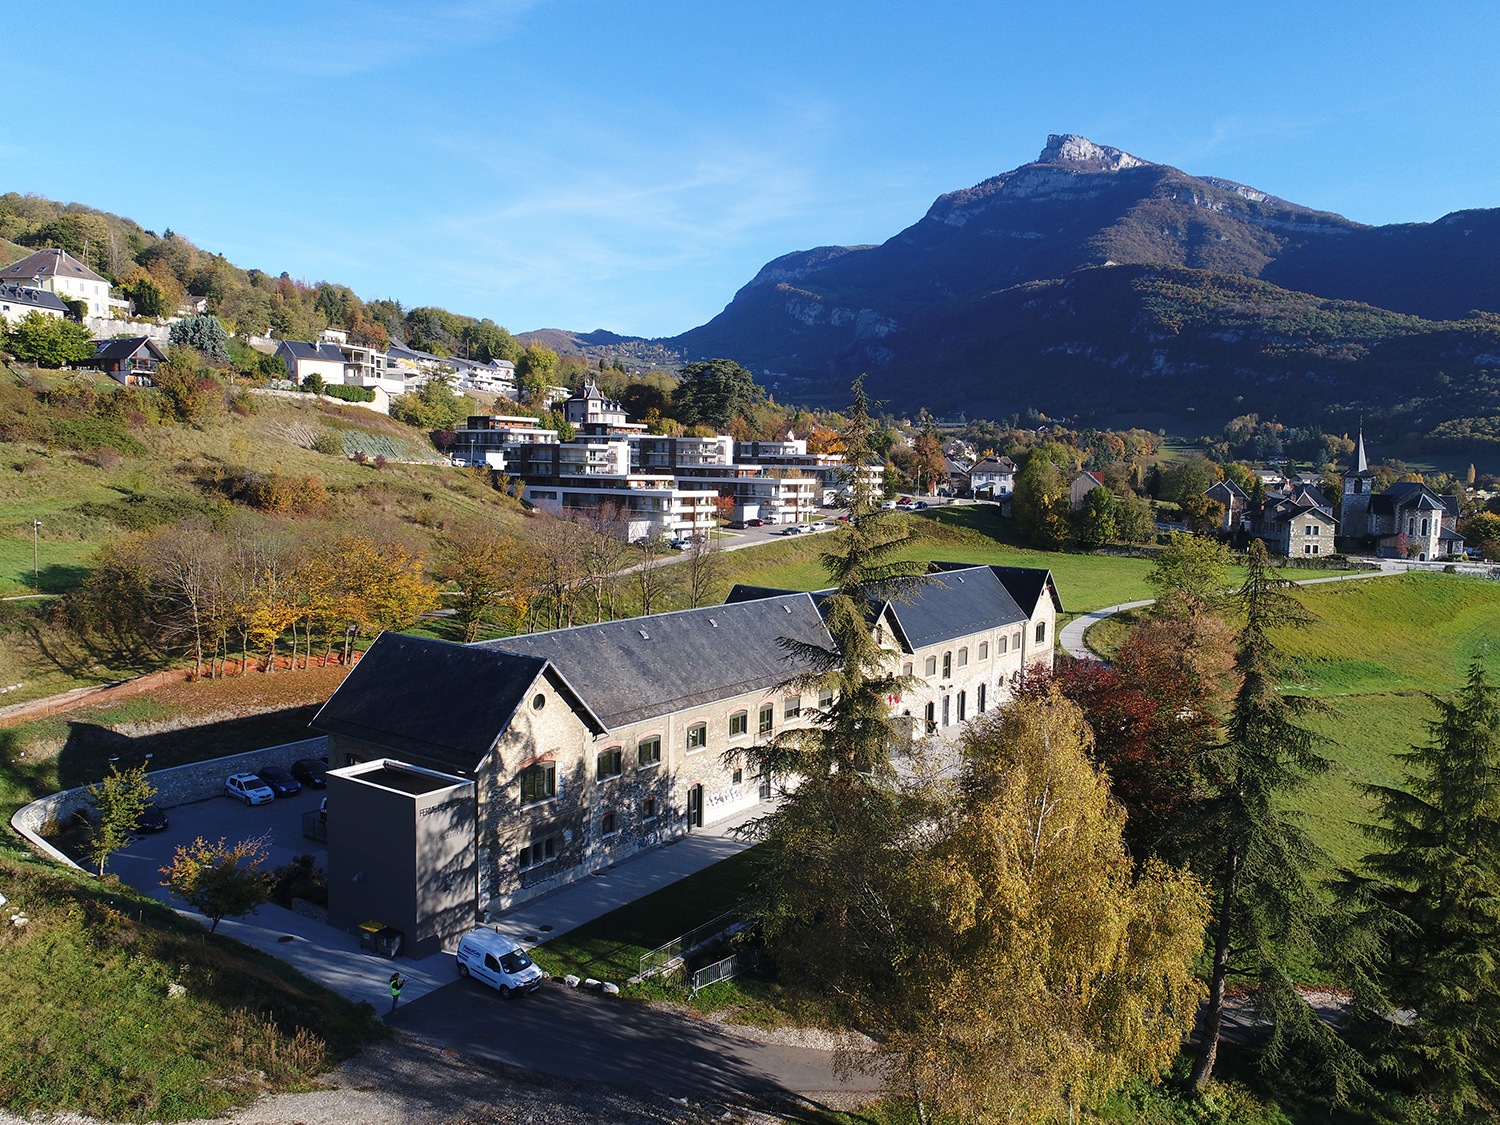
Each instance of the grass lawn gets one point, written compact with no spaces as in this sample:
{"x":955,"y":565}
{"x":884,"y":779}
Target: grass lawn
{"x":610,"y":948}
{"x":970,"y":534}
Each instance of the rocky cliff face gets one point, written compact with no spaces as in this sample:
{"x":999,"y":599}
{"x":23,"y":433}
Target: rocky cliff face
{"x":931,"y":293}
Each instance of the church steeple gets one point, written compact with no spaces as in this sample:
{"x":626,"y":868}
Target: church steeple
{"x":1360,"y":464}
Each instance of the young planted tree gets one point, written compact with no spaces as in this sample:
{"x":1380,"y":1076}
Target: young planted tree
{"x":118,"y":800}
{"x":1260,"y":864}
{"x":490,"y":572}
{"x":220,"y":880}
{"x":1191,"y":575}
{"x":652,"y":578}
{"x":1424,"y":947}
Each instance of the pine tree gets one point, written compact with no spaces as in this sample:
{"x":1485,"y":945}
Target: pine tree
{"x":1424,"y":945}
{"x":1257,"y":859}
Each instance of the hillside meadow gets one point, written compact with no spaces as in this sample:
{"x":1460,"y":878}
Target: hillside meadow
{"x":1375,"y":652}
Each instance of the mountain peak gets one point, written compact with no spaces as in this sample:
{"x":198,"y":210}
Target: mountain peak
{"x":1070,"y":148}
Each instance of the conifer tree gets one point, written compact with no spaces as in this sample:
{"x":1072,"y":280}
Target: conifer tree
{"x":1259,"y":862}
{"x":1424,"y":944}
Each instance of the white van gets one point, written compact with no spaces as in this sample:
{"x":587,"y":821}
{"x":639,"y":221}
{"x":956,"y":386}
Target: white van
{"x":499,"y":962}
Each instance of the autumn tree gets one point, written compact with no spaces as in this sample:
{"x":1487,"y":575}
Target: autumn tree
{"x":1134,"y":519}
{"x":1094,"y":524}
{"x":48,"y":341}
{"x":119,"y":800}
{"x":220,"y":880}
{"x":929,"y":465}
{"x":490,"y":572}
{"x":1190,"y":575}
{"x":1424,"y":940}
{"x":1259,"y":862}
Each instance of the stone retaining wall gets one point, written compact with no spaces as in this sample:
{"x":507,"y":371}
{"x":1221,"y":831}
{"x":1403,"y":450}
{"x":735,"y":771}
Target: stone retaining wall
{"x":178,"y":785}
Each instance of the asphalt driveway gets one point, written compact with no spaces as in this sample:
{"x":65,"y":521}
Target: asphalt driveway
{"x":592,"y":1038}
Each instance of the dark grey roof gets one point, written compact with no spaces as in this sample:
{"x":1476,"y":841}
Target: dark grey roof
{"x":48,"y":263}
{"x":444,"y":702}
{"x":955,"y":601}
{"x":1228,"y":488}
{"x":36,"y":298}
{"x":995,"y":465}
{"x":1025,"y":584}
{"x":740,"y":592}
{"x":627,"y":671}
{"x":299,"y":349}
{"x":124,"y":347}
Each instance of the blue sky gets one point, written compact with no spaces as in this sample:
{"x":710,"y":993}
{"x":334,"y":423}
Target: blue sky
{"x":573,"y":164}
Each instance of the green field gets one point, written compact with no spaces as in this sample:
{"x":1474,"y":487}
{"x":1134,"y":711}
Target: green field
{"x":1375,"y":650}
{"x":960,"y":534}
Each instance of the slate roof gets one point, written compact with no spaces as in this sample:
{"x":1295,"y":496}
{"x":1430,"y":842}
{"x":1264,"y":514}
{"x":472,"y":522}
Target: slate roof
{"x":124,"y":347}
{"x":36,"y":298}
{"x":627,"y":671}
{"x":299,"y":349}
{"x":48,"y":263}
{"x":1411,"y":494}
{"x":436,"y":700}
{"x":994,"y":465}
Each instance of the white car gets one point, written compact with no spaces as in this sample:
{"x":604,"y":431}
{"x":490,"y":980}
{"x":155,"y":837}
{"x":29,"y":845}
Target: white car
{"x":248,"y":788}
{"x":491,"y":957}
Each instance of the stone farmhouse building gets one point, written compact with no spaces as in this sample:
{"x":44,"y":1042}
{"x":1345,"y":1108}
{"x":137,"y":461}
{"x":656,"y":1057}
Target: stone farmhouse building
{"x":576,"y":748}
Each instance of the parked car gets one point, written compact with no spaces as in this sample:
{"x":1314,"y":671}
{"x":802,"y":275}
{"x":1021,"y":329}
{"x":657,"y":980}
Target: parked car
{"x":795,"y":529}
{"x":678,"y":544}
{"x":312,"y":772}
{"x":498,"y":961}
{"x":248,"y":788}
{"x":755,"y":523}
{"x":152,"y":819}
{"x":279,"y":781}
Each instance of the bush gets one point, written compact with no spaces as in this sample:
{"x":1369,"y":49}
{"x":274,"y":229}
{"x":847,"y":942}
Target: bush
{"x":328,"y":442}
{"x":349,"y":394}
{"x":299,"y":879}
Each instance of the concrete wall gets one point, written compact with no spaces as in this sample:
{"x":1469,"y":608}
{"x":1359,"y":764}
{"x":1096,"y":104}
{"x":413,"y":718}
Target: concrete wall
{"x":177,"y":785}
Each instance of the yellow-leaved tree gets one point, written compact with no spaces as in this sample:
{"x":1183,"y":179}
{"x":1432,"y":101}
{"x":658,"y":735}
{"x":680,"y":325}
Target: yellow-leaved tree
{"x":1057,"y":969}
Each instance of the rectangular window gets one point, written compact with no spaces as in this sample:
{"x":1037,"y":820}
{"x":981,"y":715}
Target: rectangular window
{"x":930,"y":667}
{"x":739,"y":723}
{"x":947,"y":709}
{"x":963,"y":658}
{"x":648,"y":809}
{"x":1041,"y":631}
{"x":767,"y":718}
{"x":537,"y":852}
{"x":1003,"y":643}
{"x":608,"y":763}
{"x":791,"y":707}
{"x":984,"y":650}
{"x":697,"y":736}
{"x":931,"y":717}
{"x":825,"y":700}
{"x":739,"y":776}
{"x":608,"y":825}
{"x":538,"y":782}
{"x":906,"y":668}
{"x":947,"y":665}
{"x":979,"y":702}
{"x":1015,"y":642}
{"x":648,"y":751}
{"x":963,"y":700}
{"x":1315,"y":548}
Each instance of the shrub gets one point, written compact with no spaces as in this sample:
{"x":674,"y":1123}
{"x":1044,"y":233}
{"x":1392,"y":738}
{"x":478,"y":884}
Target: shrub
{"x":350,"y":394}
{"x":328,"y":442}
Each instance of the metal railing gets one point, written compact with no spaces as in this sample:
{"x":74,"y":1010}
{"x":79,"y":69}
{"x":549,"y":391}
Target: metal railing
{"x":664,"y":955}
{"x":731,"y":966}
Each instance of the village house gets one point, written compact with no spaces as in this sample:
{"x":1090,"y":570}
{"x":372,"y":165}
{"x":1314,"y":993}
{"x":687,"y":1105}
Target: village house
{"x":17,"y":301}
{"x":994,"y":477}
{"x":131,"y":360}
{"x":1082,"y":485}
{"x":557,"y":754}
{"x":1297,"y":524}
{"x":1236,"y":502}
{"x":58,"y":272}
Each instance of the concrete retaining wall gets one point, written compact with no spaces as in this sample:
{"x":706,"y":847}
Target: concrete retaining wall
{"x":179,"y":785}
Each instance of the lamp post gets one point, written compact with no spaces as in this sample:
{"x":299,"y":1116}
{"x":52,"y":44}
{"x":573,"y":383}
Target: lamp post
{"x":36,"y":570}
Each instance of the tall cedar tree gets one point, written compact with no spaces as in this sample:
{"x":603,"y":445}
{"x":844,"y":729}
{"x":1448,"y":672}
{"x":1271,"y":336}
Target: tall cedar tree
{"x":1258,"y":861}
{"x":1425,"y":938}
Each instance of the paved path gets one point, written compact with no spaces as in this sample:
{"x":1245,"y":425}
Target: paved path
{"x":1072,"y":636}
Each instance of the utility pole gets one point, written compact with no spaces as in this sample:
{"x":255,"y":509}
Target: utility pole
{"x":36,"y":570}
